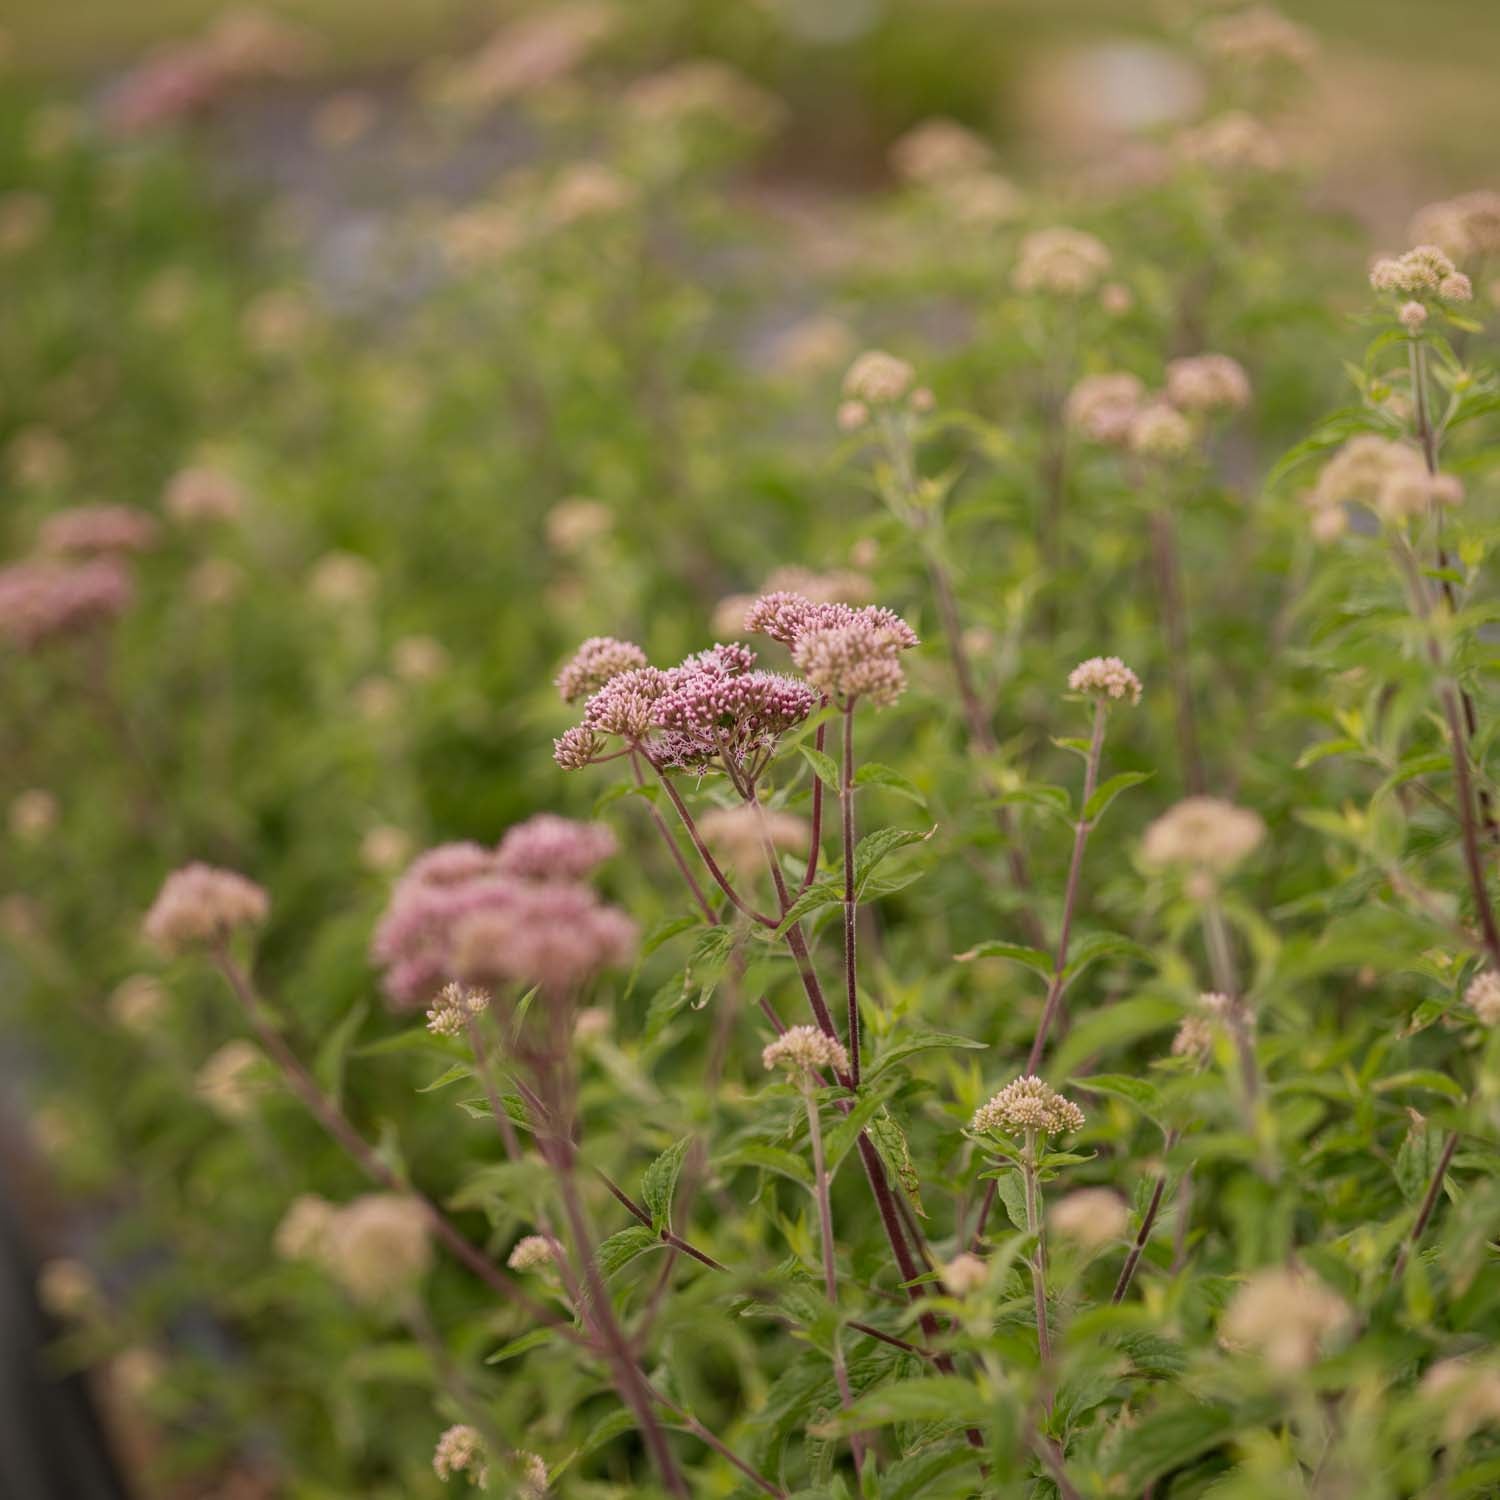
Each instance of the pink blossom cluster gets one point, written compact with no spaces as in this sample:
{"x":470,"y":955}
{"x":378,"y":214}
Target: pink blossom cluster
{"x":201,"y":904}
{"x":98,"y":528}
{"x":845,"y":652}
{"x":714,"y":705}
{"x":463,"y":912}
{"x":44,"y":600}
{"x":596,"y":661}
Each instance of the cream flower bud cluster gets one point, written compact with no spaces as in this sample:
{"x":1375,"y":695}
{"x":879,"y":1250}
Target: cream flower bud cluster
{"x":1288,"y":1317}
{"x":1061,"y":262}
{"x":801,"y":1049}
{"x":1027,"y":1103}
{"x":454,"y":1007}
{"x":1386,"y":477}
{"x":531,"y":1252}
{"x":1483,"y":997}
{"x":1105,"y":677}
{"x":1425,"y":271}
{"x":1205,"y":833}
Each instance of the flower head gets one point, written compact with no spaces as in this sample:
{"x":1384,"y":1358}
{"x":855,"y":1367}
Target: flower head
{"x":1466,"y":1392}
{"x":939,"y":150}
{"x":1195,"y":1037}
{"x":965,"y":1274}
{"x":531,"y":1252}
{"x":200,"y":905}
{"x":454,"y":1008}
{"x":231,"y":1080}
{"x":1464,"y":227}
{"x":1159,"y":430}
{"x":1386,"y":477}
{"x":1483,"y":997}
{"x":378,"y":1247}
{"x":460,"y":1450}
{"x":1090,"y":1217}
{"x":49,"y":600}
{"x":1425,"y":271}
{"x":98,"y":529}
{"x":715,"y":705}
{"x":1232,"y":142}
{"x":1103,"y":407}
{"x":1027,"y":1103}
{"x":596,"y":661}
{"x":801,"y":1049}
{"x":1204,"y":833}
{"x":547,"y":847}
{"x":1260,"y":37}
{"x":302,"y":1233}
{"x":1061,"y":261}
{"x":138,"y":1003}
{"x":1286,"y":1316}
{"x":1207,"y":383}
{"x":198,"y":496}
{"x":1105,"y":677}
{"x":878,"y":379}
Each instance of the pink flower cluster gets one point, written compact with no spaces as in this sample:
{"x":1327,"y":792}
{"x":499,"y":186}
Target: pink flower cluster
{"x":98,"y":528}
{"x":45,"y":600}
{"x":201,"y":904}
{"x":596,"y":661}
{"x":714,"y":705}
{"x":463,"y":912}
{"x":845,"y":652}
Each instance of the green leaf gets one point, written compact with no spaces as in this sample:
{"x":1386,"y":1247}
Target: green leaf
{"x":872,"y":773}
{"x":1417,"y":1159}
{"x":1104,"y":794}
{"x":890,"y":1141}
{"x":1324,"y":748}
{"x":876,"y":847}
{"x":664,"y":932}
{"x":928,"y":1398}
{"x":1031,"y":958}
{"x":819,"y":894}
{"x":1095,"y":946}
{"x":1137,"y":1091}
{"x":1167,"y":1439}
{"x":337,"y":1045}
{"x":535,"y":1339}
{"x":842,"y":1137}
{"x":825,"y":767}
{"x":1012,"y":1193}
{"x":1421,"y":1078}
{"x":449,"y":1075}
{"x":769,"y":1159}
{"x":921,"y":1041}
{"x":660,"y":1182}
{"x":624,"y":1246}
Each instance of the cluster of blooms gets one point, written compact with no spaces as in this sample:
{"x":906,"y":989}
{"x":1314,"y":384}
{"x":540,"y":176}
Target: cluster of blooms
{"x":1090,"y":1217}
{"x":965,"y":1274}
{"x":801,"y":1049}
{"x":231,"y":1080}
{"x":735,"y":833}
{"x":1208,"y":383}
{"x":878,"y":379}
{"x":1386,"y":477}
{"x":529,"y":53}
{"x":98,"y":529}
{"x":1468,"y":1393}
{"x":46,"y":600}
{"x":1115,"y":409}
{"x":1426,"y":271}
{"x":531,"y":1252}
{"x":1104,"y":407}
{"x":1061,"y":261}
{"x":465,"y":913}
{"x":575,"y":524}
{"x":1285,"y":1316}
{"x":1203,"y":833}
{"x":1105,"y":677}
{"x":1465,"y":227}
{"x":1260,"y":36}
{"x":190,"y":77}
{"x":1231,"y":142}
{"x":377,"y":1247}
{"x":200,"y":905}
{"x":454,"y":1007}
{"x":842,"y":584}
{"x":32,"y":815}
{"x":705,"y":89}
{"x":1483,"y":997}
{"x":138,"y":1003}
{"x":938,"y":150}
{"x":1025,"y":1104}
{"x":713,"y":705}
{"x":1195,"y":1037}
{"x":845,"y":652}
{"x":460,"y":1450}
{"x":585,"y":190}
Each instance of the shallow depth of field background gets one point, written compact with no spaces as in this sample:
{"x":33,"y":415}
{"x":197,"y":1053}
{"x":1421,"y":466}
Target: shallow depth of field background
{"x":298,"y":286}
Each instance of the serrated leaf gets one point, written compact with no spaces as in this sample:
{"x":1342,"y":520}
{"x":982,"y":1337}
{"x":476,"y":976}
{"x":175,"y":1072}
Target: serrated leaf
{"x":535,"y":1339}
{"x":927,"y":1398}
{"x":875,"y":848}
{"x":1012,"y":1193}
{"x":825,"y":767}
{"x":921,"y":1041}
{"x":1107,"y":791}
{"x":872,"y":773}
{"x":1140,"y":1092}
{"x":890,"y":1141}
{"x":660,"y":1182}
{"x":769,"y":1159}
{"x":1031,"y":958}
{"x":1094,"y":946}
{"x":624,"y":1246}
{"x":819,"y":894}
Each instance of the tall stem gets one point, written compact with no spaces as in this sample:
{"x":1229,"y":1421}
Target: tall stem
{"x":1070,"y":896}
{"x":1143,"y":1234}
{"x":851,"y":911}
{"x":709,"y":914}
{"x":815,"y":834}
{"x":1429,"y":1203}
{"x":1422,"y":607}
{"x":830,"y":1268}
{"x":1038,"y":1262}
{"x":333,"y":1120}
